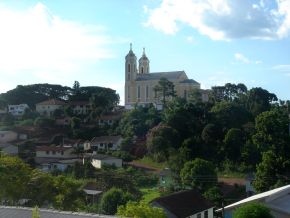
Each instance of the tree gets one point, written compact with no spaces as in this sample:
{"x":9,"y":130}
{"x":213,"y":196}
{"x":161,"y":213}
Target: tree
{"x":112,"y":199}
{"x":253,"y":210}
{"x":233,"y":143}
{"x":75,"y":123}
{"x":272,"y":132}
{"x":140,"y":210}
{"x":259,"y":100}
{"x":14,"y":177}
{"x":268,"y":171}
{"x":214,"y":195}
{"x":199,"y":174}
{"x":164,"y":90}
{"x":44,"y":122}
{"x":160,"y":140}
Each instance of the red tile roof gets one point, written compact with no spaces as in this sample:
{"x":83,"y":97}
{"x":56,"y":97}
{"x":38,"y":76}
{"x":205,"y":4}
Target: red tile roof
{"x":52,"y":102}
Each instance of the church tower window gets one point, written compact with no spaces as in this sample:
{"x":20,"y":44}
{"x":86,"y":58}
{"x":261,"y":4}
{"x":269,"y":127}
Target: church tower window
{"x":129,"y":76}
{"x":129,"y":68}
{"x":128,"y":92}
{"x":147,"y":92}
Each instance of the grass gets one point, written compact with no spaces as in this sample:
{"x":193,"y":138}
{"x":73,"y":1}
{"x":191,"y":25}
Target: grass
{"x":231,"y":174}
{"x":151,"y":163}
{"x":149,"y":194}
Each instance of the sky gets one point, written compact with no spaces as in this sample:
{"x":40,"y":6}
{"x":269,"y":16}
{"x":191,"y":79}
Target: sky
{"x":213,"y":41}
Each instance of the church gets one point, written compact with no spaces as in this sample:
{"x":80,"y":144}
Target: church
{"x":140,"y":82}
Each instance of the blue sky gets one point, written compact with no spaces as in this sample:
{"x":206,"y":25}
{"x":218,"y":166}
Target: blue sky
{"x":214,"y":41}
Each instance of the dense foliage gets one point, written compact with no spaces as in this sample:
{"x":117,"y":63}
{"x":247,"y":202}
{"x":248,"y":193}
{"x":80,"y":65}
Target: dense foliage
{"x":253,"y":210}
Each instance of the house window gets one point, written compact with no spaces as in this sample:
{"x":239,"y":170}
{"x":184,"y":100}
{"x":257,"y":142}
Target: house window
{"x":205,"y":214}
{"x":61,"y":152}
{"x":47,"y":152}
{"x":147,"y":92}
{"x":101,"y":144}
{"x":139,"y":92}
{"x":53,"y":152}
{"x":198,"y":215}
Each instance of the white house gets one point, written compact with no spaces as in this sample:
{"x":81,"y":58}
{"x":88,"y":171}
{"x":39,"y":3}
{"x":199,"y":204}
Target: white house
{"x":55,"y":157}
{"x":80,"y":107}
{"x":106,"y":143}
{"x":46,"y":108}
{"x":277,"y":200}
{"x":17,"y":110}
{"x":109,"y":119}
{"x":185,"y":204}
{"x":8,"y":136}
{"x":99,"y":160}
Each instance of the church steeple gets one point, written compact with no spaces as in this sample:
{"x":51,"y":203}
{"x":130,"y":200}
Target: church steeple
{"x":130,"y":65}
{"x":144,"y":63}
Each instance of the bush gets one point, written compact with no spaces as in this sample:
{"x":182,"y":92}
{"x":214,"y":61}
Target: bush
{"x":112,"y":199}
{"x":253,"y":210}
{"x":44,"y":122}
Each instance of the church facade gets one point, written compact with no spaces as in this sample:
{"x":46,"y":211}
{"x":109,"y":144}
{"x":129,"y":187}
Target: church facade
{"x":140,"y":82}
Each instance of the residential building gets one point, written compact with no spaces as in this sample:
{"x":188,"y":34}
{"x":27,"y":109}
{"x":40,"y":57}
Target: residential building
{"x":55,"y":152}
{"x":185,"y":204}
{"x":109,"y":119}
{"x":17,"y":109}
{"x":55,"y":157}
{"x":3,"y":111}
{"x":26,"y":212}
{"x":8,"y":136}
{"x":99,"y":160}
{"x":106,"y":143}
{"x":47,"y":108}
{"x":140,"y":83}
{"x":277,"y":200}
{"x":80,"y":107}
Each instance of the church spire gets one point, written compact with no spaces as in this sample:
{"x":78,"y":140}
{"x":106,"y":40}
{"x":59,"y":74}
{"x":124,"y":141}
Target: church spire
{"x":131,"y":46}
{"x":143,"y":63}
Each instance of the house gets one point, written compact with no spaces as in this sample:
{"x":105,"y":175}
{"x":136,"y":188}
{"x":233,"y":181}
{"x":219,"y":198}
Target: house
{"x":3,"y":111}
{"x":92,"y":191}
{"x":65,"y":121}
{"x":277,"y":200}
{"x":183,"y":204}
{"x":106,"y":143}
{"x":47,"y":108}
{"x":80,"y":107}
{"x":63,"y":152}
{"x":26,"y":212}
{"x":109,"y":119}
{"x":99,"y":160}
{"x":8,"y":136}
{"x":9,"y":149}
{"x":18,"y":109}
{"x":55,"y":157}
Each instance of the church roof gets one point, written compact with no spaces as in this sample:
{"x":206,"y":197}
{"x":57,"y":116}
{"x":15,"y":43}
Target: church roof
{"x":191,"y":81}
{"x":173,"y":75}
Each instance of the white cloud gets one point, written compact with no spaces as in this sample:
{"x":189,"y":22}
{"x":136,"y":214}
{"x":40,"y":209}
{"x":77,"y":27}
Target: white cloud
{"x":282,"y":67}
{"x":242,"y":58}
{"x":47,"y":47}
{"x":224,"y":19}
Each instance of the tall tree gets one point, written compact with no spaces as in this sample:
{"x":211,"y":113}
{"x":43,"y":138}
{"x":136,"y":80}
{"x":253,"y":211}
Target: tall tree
{"x":164,"y":90}
{"x":199,"y":174}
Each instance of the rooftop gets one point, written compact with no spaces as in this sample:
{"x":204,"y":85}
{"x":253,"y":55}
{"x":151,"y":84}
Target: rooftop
{"x":173,"y":75}
{"x":52,"y":102}
{"x":184,"y":203}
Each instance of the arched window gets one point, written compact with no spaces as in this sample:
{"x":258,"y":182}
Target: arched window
{"x":129,"y":68}
{"x":142,"y":70}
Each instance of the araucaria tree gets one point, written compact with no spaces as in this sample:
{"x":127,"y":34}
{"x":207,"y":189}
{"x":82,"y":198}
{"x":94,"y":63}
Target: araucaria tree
{"x":164,"y":90}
